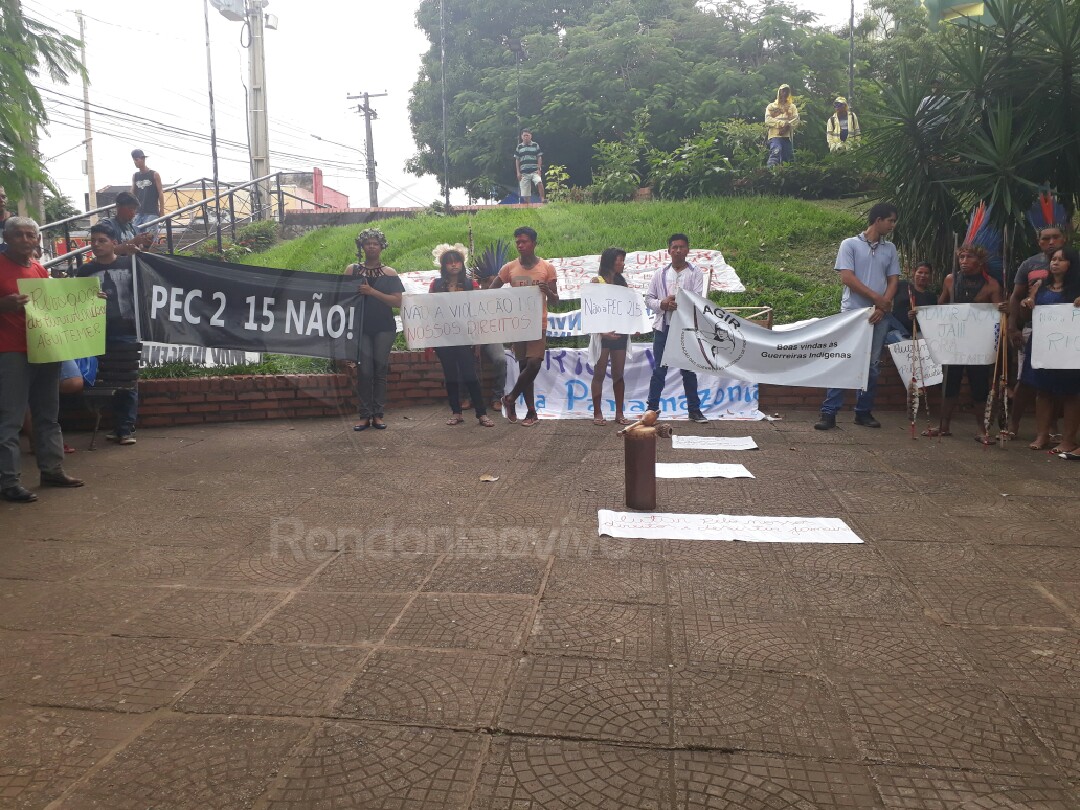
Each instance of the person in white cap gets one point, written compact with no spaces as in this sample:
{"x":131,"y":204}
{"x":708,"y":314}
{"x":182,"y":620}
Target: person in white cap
{"x":843,"y":130}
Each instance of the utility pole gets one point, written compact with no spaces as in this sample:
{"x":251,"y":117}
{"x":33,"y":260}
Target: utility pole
{"x":368,"y":113}
{"x":213,"y":125}
{"x":87,"y":131}
{"x":851,"y":58}
{"x":442,"y":73}
{"x":260,"y":124}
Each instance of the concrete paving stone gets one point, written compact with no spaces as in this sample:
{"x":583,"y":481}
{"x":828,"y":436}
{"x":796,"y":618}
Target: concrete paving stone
{"x":44,"y":751}
{"x":943,"y":725}
{"x":375,"y":570}
{"x":872,"y":500}
{"x":982,"y":601}
{"x":920,"y":560}
{"x":860,"y":482}
{"x":534,"y":774}
{"x":428,"y":688}
{"x":934,"y":789}
{"x":332,"y":618}
{"x":585,"y":698}
{"x":158,"y":565}
{"x":200,"y":613}
{"x":607,"y":581}
{"x":1059,"y":508}
{"x":354,"y":765}
{"x":1036,"y":562}
{"x":1040,"y":659}
{"x":119,"y":674}
{"x":600,"y":630}
{"x":756,"y":710}
{"x":929,"y":527}
{"x":855,"y":648}
{"x":1067,"y":595}
{"x":588,"y":545}
{"x":725,"y":556}
{"x":738,"y":781}
{"x":192,"y":762}
{"x":841,"y":593}
{"x":70,"y":607}
{"x":274,"y":680}
{"x":790,"y":504}
{"x":1019,"y":531}
{"x":1056,"y":721}
{"x":705,"y":587}
{"x":778,"y":646}
{"x":469,"y":621}
{"x":799,"y":558}
{"x":262,"y":567}
{"x":988,"y":505}
{"x":44,"y":561}
{"x":471,"y":575}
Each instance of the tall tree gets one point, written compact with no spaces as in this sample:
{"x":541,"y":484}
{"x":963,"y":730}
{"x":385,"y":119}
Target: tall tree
{"x":27,"y":49}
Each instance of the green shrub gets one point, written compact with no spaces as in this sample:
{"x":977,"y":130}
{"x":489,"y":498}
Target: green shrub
{"x":555,"y":183}
{"x":839,"y":175}
{"x":616,"y":178}
{"x":209,"y":250}
{"x":698,"y":168}
{"x":257,"y":236}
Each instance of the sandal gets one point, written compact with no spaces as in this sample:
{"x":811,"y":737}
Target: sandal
{"x":934,"y":433}
{"x":456,"y":419}
{"x":529,"y":421}
{"x":485,"y":420}
{"x":509,"y":408}
{"x":985,"y":441}
{"x":599,"y":420}
{"x":496,"y":405}
{"x":622,"y":420}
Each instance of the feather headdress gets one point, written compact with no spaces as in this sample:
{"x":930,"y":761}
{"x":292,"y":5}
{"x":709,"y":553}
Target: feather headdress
{"x":981,"y":234}
{"x":439,"y":250}
{"x":1047,"y":212}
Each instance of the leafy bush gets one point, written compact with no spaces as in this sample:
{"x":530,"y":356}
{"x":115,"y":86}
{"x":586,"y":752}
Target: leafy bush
{"x":616,"y":178}
{"x":271,"y":364}
{"x":556,"y":179}
{"x":209,"y":250}
{"x":697,"y":168}
{"x":258,"y":236}
{"x":840,"y":175}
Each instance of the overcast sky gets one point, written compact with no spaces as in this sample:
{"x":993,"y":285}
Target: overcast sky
{"x":147,"y":60}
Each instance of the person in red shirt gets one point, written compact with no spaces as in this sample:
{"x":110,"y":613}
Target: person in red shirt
{"x":23,"y":384}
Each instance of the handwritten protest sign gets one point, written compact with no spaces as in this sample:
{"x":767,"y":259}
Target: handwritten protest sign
{"x":746,"y":528}
{"x":65,"y":319}
{"x":713,"y":443}
{"x":705,"y":469}
{"x":1055,"y":336}
{"x":960,"y":334}
{"x":926,"y":371}
{"x":611,"y":308}
{"x":505,"y":315}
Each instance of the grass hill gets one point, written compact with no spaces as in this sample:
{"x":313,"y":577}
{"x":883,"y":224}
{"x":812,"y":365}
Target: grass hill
{"x":782,"y":249}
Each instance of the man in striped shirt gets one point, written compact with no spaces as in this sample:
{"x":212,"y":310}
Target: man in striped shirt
{"x":529,"y":162}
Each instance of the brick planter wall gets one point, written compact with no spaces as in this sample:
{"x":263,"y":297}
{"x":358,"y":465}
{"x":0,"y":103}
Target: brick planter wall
{"x":415,"y":379}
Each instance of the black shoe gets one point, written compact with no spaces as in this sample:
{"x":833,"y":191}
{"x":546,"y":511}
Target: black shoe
{"x":17,"y":494}
{"x":826,"y":422}
{"x":60,"y":479}
{"x":866,"y":420}
{"x":699,"y":417}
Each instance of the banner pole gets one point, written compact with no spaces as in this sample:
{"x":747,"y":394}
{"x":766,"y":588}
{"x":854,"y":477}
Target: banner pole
{"x":135,"y":297}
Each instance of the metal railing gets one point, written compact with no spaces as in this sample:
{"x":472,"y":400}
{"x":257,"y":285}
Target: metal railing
{"x":269,"y":186}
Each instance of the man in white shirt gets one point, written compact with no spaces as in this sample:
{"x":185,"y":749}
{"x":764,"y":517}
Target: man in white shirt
{"x":679,"y":275}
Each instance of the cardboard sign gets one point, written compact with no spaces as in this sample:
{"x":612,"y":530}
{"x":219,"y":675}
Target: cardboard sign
{"x":65,"y":319}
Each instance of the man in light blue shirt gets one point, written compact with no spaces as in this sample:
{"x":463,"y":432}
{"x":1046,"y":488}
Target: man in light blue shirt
{"x":869,"y":270}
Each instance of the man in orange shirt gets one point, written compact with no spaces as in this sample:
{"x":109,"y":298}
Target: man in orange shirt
{"x":528,"y":270}
{"x":23,"y":384}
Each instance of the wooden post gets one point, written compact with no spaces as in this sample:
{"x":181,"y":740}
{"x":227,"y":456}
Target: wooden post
{"x":640,"y":468}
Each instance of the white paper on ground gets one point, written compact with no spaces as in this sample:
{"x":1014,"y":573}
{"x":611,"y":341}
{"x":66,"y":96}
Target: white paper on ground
{"x":705,"y":469}
{"x":713,"y":443}
{"x":745,"y":528}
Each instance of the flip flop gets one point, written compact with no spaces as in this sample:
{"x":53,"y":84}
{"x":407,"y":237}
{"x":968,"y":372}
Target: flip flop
{"x":509,"y":409}
{"x":455,"y":420}
{"x":935,"y":433}
{"x":1070,"y":455}
{"x":622,"y":420}
{"x":485,"y":421}
{"x":529,"y":421}
{"x":985,"y":441}
{"x":599,"y":421}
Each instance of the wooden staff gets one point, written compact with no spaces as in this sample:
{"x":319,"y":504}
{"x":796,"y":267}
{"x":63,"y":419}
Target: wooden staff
{"x":988,"y":412}
{"x":922,"y":374}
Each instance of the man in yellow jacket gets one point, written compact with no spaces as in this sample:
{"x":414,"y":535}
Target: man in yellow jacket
{"x":781,"y":117}
{"x":843,"y":129}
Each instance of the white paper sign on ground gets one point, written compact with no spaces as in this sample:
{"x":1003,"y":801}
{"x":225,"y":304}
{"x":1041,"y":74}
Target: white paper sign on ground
{"x":705,"y":469}
{"x":744,"y":528}
{"x":833,"y":352}
{"x":1055,"y":336}
{"x":563,"y":389}
{"x":713,"y":443}
{"x":906,"y":363}
{"x":960,"y":334}
{"x":504,"y":315}
{"x":611,"y":308}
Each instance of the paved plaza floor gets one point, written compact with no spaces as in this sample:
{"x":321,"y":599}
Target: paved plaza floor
{"x":293,"y":615}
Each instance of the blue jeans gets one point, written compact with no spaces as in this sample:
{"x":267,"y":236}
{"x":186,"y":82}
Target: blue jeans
{"x":896,"y":331}
{"x":780,"y":151}
{"x":125,"y":402}
{"x":659,"y":376}
{"x":864,"y":402}
{"x":141,"y":219}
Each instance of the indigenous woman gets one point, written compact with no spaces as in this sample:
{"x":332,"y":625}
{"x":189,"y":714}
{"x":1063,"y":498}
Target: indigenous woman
{"x":458,"y":362}
{"x":1056,"y":387}
{"x":381,"y":290}
{"x":609,"y":345}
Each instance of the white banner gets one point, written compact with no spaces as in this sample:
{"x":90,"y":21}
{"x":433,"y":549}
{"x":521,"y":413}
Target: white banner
{"x":746,"y":528}
{"x":927,"y":372}
{"x":505,"y":315}
{"x":563,"y":389}
{"x":1055,"y":336}
{"x":612,"y":308}
{"x":564,"y":324}
{"x":158,"y":354}
{"x":960,"y":334}
{"x":577,"y":271}
{"x":833,"y":352}
{"x":713,"y":443}
{"x":705,"y":469}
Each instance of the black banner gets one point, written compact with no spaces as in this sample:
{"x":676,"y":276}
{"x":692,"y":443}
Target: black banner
{"x":251,"y":309}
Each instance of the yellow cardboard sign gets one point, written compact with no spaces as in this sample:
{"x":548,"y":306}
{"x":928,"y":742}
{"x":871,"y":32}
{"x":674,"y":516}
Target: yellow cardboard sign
{"x":65,"y":318}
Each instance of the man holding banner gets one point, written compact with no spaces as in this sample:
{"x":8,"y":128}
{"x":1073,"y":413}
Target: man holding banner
{"x":661,"y":299}
{"x":24,"y":384}
{"x":869,"y":270}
